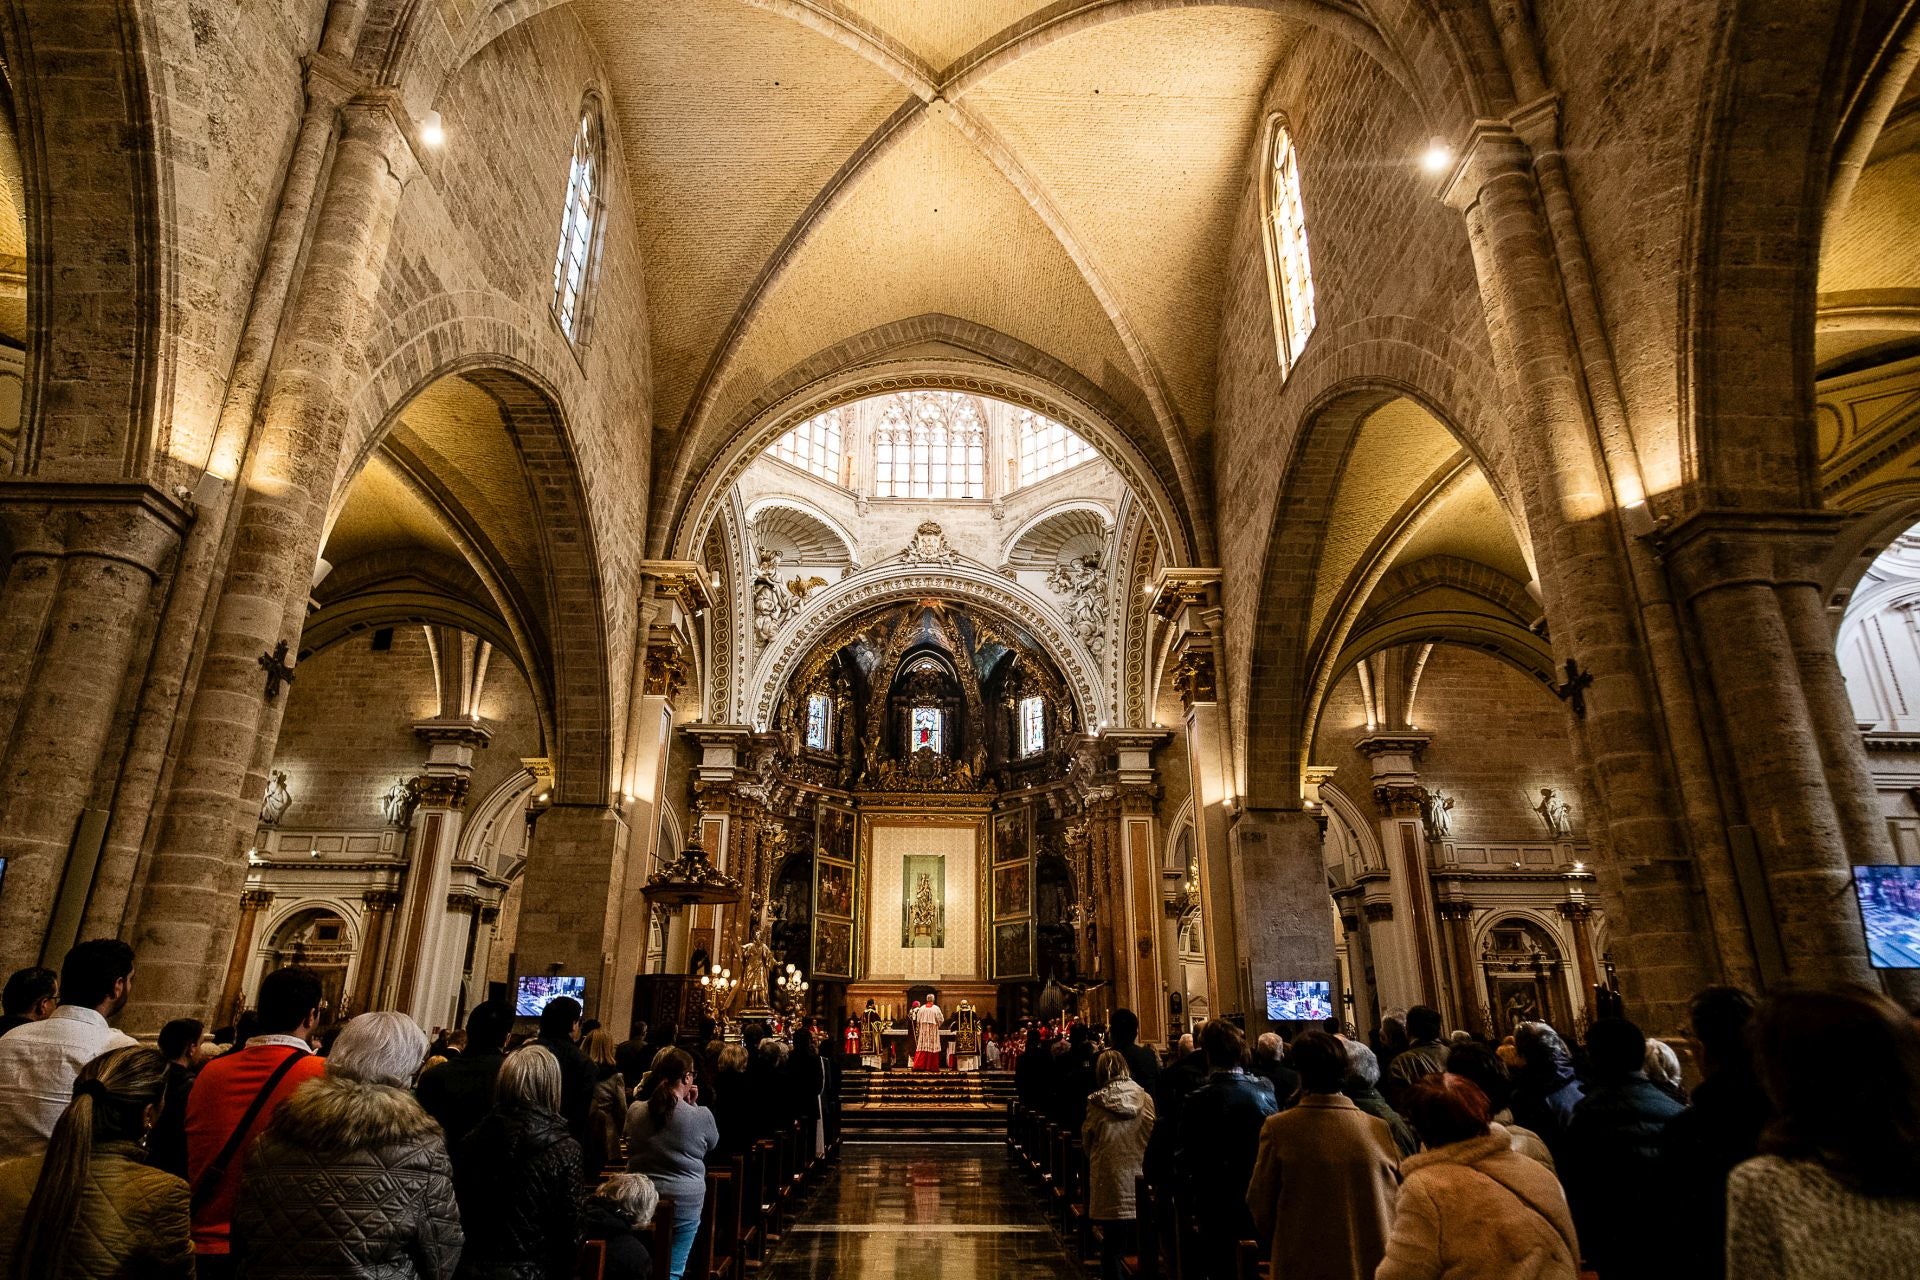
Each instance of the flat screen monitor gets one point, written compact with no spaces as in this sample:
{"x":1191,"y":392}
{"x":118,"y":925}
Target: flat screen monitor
{"x":1890,"y":908}
{"x":1299,"y":1001}
{"x":535,"y":994}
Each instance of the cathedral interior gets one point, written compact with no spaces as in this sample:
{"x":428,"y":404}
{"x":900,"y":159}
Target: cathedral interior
{"x":1146,"y":499}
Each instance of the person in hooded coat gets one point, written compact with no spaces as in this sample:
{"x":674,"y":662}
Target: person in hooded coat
{"x":515,"y":1175}
{"x":1545,"y":1090}
{"x":1471,"y":1207}
{"x":350,"y":1178}
{"x":1119,"y":1123}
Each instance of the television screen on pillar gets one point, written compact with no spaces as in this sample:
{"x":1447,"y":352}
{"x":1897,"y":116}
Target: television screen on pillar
{"x":536,"y":993}
{"x":1890,"y":909}
{"x":1299,"y":1001}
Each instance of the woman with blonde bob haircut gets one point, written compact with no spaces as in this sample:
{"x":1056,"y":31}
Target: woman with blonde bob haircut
{"x":515,"y":1175}
{"x":90,"y":1205}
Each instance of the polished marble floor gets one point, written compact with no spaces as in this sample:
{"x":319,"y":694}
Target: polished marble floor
{"x":931,"y":1211}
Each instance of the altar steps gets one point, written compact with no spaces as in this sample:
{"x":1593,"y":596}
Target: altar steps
{"x":924,"y":1106}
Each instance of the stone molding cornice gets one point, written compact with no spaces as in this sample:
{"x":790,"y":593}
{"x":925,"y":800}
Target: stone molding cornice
{"x":129,"y":521}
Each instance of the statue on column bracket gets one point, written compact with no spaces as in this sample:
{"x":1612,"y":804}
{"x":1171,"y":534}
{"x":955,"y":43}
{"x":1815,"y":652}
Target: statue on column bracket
{"x":1556,"y":813}
{"x":277,"y":800}
{"x":756,"y":959}
{"x":1435,"y":815}
{"x":398,"y":802}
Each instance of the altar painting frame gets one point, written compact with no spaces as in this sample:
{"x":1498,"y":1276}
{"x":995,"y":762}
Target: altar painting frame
{"x":1011,"y":958}
{"x":836,"y":892}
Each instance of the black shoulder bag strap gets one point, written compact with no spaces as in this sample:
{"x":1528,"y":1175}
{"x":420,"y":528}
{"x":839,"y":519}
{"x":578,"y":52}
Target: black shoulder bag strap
{"x":214,"y":1174}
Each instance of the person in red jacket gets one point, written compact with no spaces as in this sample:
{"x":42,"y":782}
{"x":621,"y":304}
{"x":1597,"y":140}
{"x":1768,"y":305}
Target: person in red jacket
{"x":234,"y":1097}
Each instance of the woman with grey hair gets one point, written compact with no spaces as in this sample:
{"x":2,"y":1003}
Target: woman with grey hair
{"x":515,"y":1175}
{"x":350,"y":1177}
{"x":1363,"y":1086}
{"x":619,"y":1214}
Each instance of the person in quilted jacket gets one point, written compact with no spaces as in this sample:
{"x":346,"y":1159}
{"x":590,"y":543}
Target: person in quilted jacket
{"x":351,"y":1177}
{"x":516,"y":1174}
{"x":90,"y":1204}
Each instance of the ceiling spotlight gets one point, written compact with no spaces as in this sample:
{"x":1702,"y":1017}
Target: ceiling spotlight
{"x":1436,"y":157}
{"x":432,"y":132}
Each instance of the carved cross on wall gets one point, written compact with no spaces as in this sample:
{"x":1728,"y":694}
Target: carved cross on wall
{"x":277,"y":669}
{"x":1574,"y":691}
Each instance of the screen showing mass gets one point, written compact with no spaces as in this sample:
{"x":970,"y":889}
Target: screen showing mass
{"x":534,"y":994}
{"x":1890,"y":909}
{"x":1299,"y":1001}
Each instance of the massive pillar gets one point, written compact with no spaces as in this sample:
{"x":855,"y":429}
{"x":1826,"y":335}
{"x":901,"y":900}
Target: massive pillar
{"x":1585,"y":575}
{"x":288,"y":482}
{"x":77,"y":606}
{"x":1285,"y":919}
{"x":570,"y":909}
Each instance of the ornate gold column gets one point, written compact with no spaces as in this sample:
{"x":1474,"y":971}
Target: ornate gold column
{"x":375,"y":933}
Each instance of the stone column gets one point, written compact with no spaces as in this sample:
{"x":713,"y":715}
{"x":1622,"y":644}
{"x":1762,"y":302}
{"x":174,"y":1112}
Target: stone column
{"x":1581,"y":555}
{"x":78,"y":605}
{"x":1137,"y":940}
{"x":570,"y":906}
{"x":1456,"y":919}
{"x":1365,"y":1013}
{"x":375,"y":933}
{"x":428,"y":942}
{"x":377,"y":945}
{"x":1279,"y":889}
{"x":1190,"y":600}
{"x":1580,"y":923}
{"x":1408,"y":938}
{"x":252,"y":903}
{"x":1804,"y":796}
{"x":288,"y":483}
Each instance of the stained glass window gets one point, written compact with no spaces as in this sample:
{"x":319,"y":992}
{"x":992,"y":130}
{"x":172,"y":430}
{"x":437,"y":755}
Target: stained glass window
{"x":1292,"y":280}
{"x":1033,"y":725}
{"x":1047,"y":447}
{"x":815,"y":445}
{"x":818,"y":724}
{"x":930,"y":444}
{"x":578,"y":223}
{"x":926,"y":729}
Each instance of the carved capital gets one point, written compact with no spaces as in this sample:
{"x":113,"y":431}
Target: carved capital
{"x":682,"y":581}
{"x":442,"y":790}
{"x":1399,"y":799}
{"x":666,"y":669}
{"x":255,"y":899}
{"x":378,"y":900}
{"x":1177,"y":590}
{"x":1575,"y":910}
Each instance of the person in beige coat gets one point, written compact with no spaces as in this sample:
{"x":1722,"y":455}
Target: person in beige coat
{"x":1119,"y":1122}
{"x":1326,"y":1175}
{"x":1471,"y":1206}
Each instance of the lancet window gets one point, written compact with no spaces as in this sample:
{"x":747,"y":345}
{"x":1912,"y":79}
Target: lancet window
{"x":580,"y":225}
{"x":1290,"y":271}
{"x":930,"y":444}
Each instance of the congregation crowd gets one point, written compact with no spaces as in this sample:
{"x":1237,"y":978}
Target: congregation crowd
{"x":283,"y":1147}
{"x":1794,"y":1156}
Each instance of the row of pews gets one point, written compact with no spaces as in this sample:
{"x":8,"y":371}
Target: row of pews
{"x":752,"y":1199}
{"x":1166,"y":1245}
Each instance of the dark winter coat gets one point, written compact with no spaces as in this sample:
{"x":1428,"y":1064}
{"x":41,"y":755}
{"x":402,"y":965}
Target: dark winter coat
{"x":1544,"y":1096}
{"x":1215,"y":1147}
{"x":516,"y":1175}
{"x":1612,"y":1164}
{"x":459,"y":1092}
{"x":1701,"y":1146}
{"x":627,"y":1256}
{"x":348,"y":1179}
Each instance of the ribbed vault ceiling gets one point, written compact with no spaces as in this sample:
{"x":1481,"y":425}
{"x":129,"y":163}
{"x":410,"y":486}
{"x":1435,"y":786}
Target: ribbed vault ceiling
{"x":807,"y":172}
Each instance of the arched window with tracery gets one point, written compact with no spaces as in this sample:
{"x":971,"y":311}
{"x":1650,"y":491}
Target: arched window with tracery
{"x":930,"y":444}
{"x":573,"y":264}
{"x":815,"y":446}
{"x":1289,"y":270}
{"x":1047,"y":447}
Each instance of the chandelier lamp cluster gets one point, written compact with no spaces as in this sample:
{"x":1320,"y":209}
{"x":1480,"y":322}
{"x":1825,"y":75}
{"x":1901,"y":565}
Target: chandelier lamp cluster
{"x":791,"y":989}
{"x":716,"y":990}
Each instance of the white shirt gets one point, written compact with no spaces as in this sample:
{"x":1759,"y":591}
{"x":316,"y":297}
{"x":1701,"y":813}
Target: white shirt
{"x":39,"y":1062}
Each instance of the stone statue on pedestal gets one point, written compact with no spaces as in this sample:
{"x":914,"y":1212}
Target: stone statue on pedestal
{"x":277,"y":799}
